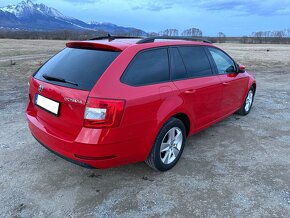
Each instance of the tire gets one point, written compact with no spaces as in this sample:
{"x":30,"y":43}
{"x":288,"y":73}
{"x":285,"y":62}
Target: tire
{"x":248,"y":103}
{"x":171,"y":139}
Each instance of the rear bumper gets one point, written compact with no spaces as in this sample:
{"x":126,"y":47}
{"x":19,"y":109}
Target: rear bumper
{"x":86,"y":154}
{"x":65,"y":158}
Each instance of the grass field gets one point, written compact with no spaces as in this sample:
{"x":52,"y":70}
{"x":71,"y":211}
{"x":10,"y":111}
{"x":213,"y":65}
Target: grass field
{"x":239,"y":167}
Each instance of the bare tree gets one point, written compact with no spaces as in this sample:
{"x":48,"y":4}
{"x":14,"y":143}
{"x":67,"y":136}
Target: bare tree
{"x":288,"y":33}
{"x":221,"y":37}
{"x":258,"y":37}
{"x":244,"y":39}
{"x":169,"y":32}
{"x":152,"y":34}
{"x":192,"y":32}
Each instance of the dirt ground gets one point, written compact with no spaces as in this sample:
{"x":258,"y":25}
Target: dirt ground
{"x":239,"y":167}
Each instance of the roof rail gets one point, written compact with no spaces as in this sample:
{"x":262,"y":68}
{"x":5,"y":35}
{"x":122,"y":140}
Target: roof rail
{"x":152,"y":39}
{"x":111,"y":38}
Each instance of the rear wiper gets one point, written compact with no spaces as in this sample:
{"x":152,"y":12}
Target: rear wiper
{"x":54,"y":78}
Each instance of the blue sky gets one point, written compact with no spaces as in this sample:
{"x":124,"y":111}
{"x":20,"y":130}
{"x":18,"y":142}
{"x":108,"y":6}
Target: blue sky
{"x":233,"y":17}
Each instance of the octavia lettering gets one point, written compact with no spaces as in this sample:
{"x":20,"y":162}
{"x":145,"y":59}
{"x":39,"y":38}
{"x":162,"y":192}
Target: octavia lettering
{"x":73,"y":100}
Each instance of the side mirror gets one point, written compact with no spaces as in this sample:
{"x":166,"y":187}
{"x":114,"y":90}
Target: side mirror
{"x":231,"y":69}
{"x":242,"y":69}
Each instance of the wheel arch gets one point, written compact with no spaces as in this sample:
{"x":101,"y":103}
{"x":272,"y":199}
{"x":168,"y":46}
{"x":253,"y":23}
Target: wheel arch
{"x":254,"y":85}
{"x":185,"y":119}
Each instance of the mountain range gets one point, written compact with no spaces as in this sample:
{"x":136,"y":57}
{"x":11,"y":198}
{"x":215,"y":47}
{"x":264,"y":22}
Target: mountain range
{"x":30,"y":16}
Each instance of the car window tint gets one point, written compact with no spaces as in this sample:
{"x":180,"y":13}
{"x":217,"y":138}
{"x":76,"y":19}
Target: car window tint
{"x":177,"y":65}
{"x":148,"y":67}
{"x":223,"y":62}
{"x":196,"y":61}
{"x":81,"y":66}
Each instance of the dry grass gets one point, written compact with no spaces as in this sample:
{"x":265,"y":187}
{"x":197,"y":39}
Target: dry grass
{"x":260,"y":58}
{"x":28,"y":54}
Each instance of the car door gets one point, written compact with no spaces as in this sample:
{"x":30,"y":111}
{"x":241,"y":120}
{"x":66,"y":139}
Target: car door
{"x":147,"y":79}
{"x":234,"y":84}
{"x":201,"y":90}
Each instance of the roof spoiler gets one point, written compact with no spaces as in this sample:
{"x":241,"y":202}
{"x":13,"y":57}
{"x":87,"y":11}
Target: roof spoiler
{"x":92,"y":45}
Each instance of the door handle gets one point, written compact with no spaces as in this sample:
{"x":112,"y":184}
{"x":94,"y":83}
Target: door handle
{"x":226,"y":83}
{"x":190,"y":91}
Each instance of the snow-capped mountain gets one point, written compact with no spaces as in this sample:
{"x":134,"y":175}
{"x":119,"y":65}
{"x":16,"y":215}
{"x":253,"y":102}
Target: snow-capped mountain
{"x":38,"y":17}
{"x":27,"y":8}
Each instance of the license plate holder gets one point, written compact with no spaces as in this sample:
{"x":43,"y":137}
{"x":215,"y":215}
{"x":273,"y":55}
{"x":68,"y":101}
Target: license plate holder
{"x":47,"y":104}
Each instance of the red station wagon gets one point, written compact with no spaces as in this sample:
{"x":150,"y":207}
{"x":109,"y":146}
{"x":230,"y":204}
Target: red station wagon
{"x":112,"y":101}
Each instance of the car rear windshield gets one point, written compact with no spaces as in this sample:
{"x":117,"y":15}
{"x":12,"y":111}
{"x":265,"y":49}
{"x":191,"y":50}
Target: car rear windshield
{"x":76,"y":68}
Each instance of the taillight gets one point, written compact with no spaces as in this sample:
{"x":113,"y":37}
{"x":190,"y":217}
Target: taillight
{"x":102,"y":113}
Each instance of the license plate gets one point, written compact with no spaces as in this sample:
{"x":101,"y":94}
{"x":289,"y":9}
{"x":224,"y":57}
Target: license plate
{"x":47,"y":104}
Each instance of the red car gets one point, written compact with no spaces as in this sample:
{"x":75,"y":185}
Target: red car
{"x":108,"y":102}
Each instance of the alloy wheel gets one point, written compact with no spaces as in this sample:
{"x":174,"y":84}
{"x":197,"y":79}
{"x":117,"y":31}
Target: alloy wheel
{"x":171,"y":145}
{"x":249,"y":100}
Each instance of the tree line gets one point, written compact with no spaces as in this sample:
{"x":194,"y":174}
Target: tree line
{"x":83,"y":35}
{"x":282,"y":36}
{"x":63,"y":34}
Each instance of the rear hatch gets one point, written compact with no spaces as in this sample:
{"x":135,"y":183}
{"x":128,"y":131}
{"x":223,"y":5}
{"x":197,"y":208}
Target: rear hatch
{"x":60,"y":88}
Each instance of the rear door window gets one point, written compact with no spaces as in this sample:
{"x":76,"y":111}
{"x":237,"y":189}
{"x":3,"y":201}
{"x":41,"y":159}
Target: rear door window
{"x":196,"y":61}
{"x":78,"y":66}
{"x":148,"y":67}
{"x":177,"y":66}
